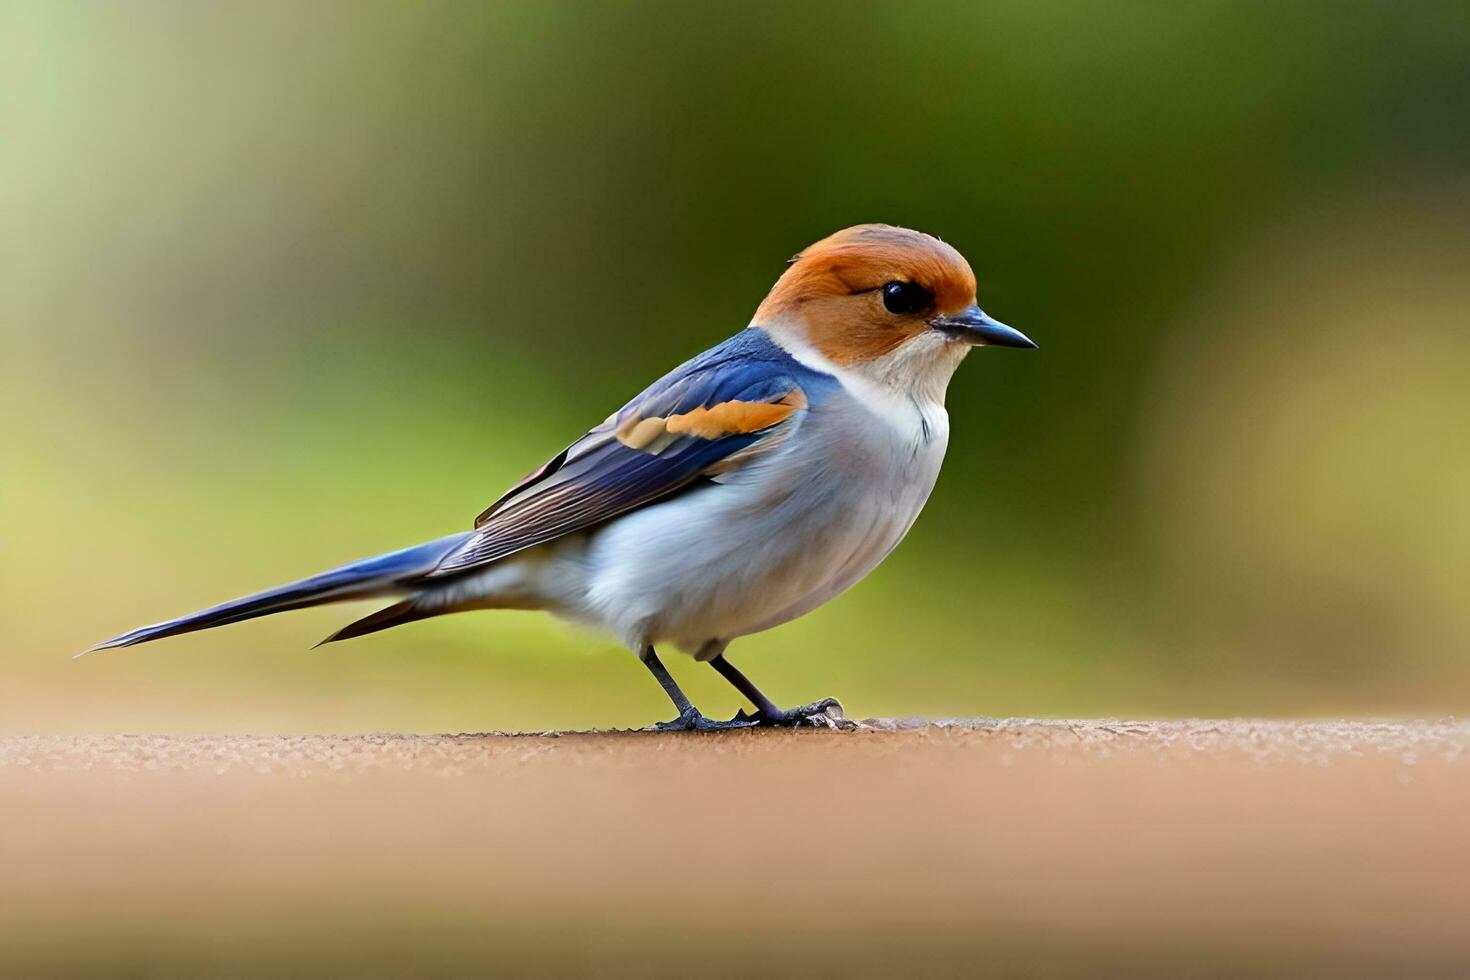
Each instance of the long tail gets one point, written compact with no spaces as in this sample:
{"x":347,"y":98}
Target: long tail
{"x":388,"y":574}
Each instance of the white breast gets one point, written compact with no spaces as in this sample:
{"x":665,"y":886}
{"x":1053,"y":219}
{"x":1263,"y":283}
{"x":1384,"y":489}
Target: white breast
{"x":775,"y":541}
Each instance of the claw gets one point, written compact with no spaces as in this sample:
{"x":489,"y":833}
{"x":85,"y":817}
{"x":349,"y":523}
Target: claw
{"x":691,"y":720}
{"x":826,"y":713}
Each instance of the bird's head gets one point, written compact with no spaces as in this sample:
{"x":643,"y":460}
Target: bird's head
{"x":895,"y":305}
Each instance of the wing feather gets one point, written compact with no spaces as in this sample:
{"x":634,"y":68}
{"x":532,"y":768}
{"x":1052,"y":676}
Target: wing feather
{"x":683,"y":427}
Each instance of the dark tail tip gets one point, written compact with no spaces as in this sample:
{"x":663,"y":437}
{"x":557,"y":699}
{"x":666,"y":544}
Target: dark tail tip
{"x":395,"y":615}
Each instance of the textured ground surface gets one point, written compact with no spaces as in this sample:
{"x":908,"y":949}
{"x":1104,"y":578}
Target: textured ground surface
{"x":995,"y":847}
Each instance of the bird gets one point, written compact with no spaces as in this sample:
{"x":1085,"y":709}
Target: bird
{"x":741,"y":490}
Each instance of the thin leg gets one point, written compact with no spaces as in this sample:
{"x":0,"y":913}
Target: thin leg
{"x":689,"y":720}
{"x":649,"y":656}
{"x":824,"y":713}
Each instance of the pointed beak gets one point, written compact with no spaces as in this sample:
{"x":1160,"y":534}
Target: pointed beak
{"x":976,"y":327}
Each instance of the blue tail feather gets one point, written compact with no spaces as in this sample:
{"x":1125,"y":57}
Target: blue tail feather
{"x":379,"y":575}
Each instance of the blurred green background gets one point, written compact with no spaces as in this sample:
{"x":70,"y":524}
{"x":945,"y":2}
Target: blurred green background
{"x":288,"y":284}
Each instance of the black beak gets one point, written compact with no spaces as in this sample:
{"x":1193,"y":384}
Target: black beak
{"x":975,"y":327}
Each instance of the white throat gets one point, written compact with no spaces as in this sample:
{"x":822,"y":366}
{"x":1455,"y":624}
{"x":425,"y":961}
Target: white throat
{"x":918,"y":370}
{"x":904,"y":388}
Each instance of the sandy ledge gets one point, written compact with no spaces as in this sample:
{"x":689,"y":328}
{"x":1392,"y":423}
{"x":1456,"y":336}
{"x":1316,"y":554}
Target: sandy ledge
{"x":1249,"y":741}
{"x":1034,"y":847}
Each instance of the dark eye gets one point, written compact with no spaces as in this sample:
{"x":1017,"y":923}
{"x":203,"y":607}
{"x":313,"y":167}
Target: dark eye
{"x":905,"y":297}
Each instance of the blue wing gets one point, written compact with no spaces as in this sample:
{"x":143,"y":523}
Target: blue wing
{"x":713,"y":413}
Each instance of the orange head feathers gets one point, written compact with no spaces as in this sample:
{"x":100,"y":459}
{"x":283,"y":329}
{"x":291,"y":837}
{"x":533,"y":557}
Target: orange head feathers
{"x":868,"y":291}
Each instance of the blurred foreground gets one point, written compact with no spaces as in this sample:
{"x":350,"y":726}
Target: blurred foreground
{"x":1053,"y":848}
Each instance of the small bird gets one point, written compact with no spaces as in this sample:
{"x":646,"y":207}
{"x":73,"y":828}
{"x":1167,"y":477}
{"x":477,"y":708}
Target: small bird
{"x":739,"y":491}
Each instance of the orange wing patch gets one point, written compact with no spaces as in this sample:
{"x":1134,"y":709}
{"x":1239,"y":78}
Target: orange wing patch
{"x":731,"y":418}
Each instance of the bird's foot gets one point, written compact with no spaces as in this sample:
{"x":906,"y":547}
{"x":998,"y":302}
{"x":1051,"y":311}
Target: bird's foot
{"x":691,"y":720}
{"x":826,"y":713}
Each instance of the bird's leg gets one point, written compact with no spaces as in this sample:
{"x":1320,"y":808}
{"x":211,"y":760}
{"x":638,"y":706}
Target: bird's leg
{"x":826,"y":713}
{"x":689,"y":720}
